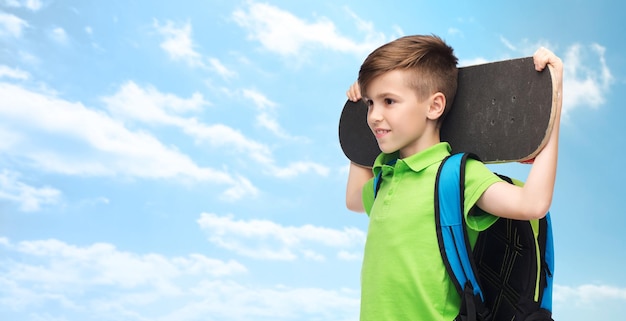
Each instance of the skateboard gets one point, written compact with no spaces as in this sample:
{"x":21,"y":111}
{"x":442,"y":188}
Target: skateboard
{"x":503,"y":112}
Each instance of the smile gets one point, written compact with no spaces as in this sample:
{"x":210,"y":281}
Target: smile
{"x":381,"y":132}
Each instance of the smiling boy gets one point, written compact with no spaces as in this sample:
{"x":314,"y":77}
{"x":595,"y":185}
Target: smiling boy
{"x":408,"y":86}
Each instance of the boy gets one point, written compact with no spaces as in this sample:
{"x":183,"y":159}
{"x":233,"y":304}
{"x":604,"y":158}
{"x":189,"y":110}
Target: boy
{"x":408,"y":85}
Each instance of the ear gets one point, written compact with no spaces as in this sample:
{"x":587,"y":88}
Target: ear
{"x":437,"y":106}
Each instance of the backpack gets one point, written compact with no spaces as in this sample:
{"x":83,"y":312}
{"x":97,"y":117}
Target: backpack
{"x":507,"y":276}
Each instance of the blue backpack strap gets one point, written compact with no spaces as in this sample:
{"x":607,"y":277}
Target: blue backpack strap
{"x":548,"y":259}
{"x":453,"y":241}
{"x":377,"y":181}
{"x":378,"y":178}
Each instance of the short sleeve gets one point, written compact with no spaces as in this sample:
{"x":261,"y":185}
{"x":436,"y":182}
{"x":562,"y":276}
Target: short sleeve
{"x":477,"y":179}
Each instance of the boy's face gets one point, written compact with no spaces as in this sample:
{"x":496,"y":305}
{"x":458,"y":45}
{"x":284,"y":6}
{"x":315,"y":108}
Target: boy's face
{"x":396,"y":116}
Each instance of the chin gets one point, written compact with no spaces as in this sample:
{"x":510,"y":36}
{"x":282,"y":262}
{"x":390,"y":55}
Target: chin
{"x":387,"y":150}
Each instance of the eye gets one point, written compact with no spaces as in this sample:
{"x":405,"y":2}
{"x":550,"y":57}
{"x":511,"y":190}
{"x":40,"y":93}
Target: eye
{"x":389,"y":101}
{"x":368,"y":102}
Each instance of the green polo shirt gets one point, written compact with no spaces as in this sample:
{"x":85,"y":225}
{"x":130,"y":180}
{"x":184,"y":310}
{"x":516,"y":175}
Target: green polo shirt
{"x":403,"y":276}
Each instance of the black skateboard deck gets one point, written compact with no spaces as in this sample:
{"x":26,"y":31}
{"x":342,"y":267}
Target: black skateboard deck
{"x":503,"y":112}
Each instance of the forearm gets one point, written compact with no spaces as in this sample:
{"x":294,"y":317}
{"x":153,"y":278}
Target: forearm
{"x":539,"y":187}
{"x":534,"y":199}
{"x":357,"y":177}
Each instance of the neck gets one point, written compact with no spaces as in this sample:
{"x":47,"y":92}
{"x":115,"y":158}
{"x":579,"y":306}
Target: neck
{"x":426,"y":141}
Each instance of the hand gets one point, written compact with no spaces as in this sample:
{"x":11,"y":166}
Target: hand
{"x":354,"y":92}
{"x":544,"y":57}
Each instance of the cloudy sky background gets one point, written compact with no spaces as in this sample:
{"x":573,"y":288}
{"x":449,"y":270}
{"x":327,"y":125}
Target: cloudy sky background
{"x":180,"y":161}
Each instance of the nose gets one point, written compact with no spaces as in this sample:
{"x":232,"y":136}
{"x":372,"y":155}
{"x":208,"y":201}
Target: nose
{"x":374,"y":113}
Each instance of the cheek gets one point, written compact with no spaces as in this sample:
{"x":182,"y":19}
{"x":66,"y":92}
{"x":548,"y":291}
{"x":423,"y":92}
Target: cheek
{"x":417,"y":113}
{"x":407,"y":115}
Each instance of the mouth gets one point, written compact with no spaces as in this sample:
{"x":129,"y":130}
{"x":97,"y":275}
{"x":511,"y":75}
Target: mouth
{"x":379,"y":132}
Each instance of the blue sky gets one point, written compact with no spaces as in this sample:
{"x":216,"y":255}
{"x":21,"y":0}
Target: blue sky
{"x":180,"y":161}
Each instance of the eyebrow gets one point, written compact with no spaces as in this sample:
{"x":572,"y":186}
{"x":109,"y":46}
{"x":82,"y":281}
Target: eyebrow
{"x":385,"y":94}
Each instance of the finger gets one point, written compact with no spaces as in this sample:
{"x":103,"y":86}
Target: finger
{"x":541,"y":58}
{"x":352,"y":95}
{"x":349,"y":94}
{"x":354,"y":92}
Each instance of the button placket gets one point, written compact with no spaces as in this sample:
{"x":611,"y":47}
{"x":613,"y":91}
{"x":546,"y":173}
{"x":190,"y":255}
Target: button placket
{"x":393,"y":177}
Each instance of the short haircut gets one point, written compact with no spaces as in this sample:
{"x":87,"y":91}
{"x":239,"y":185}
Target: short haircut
{"x":431,"y":61}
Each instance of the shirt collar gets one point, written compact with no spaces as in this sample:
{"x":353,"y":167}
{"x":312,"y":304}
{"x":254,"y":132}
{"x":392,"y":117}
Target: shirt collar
{"x":416,"y":162}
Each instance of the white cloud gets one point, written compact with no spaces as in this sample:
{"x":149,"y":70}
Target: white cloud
{"x":148,"y":105}
{"x":100,"y":145}
{"x":455,"y":31}
{"x":270,"y":123}
{"x":264,"y":239}
{"x":350,"y":256}
{"x":102,"y":264}
{"x":178,"y":43}
{"x":11,"y":25}
{"x":29,"y":58}
{"x":33,"y":5}
{"x":267,"y":24}
{"x":296,"y":168}
{"x":95,"y":201}
{"x":218,"y":67}
{"x":266,"y":118}
{"x":59,"y":35}
{"x":11,"y":3}
{"x":588,"y":294}
{"x":586,"y":77}
{"x":29,"y":198}
{"x":266,"y":113}
{"x":507,"y":43}
{"x":260,"y":100}
{"x":52,"y":278}
{"x":242,"y":187}
{"x":15,"y":73}
{"x":276,"y":303}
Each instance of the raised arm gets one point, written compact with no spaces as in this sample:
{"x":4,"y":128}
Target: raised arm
{"x":534,"y":199}
{"x":358,"y":175}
